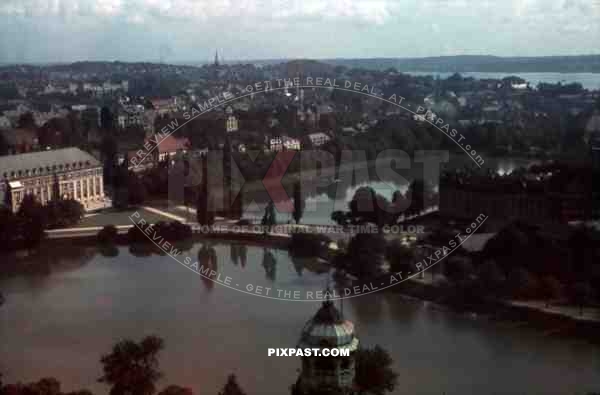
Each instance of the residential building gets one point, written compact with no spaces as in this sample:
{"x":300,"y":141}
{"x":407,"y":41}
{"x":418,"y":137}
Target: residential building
{"x":552,"y":193}
{"x":20,"y":141}
{"x":169,"y":146}
{"x":277,"y":144}
{"x":131,"y":115}
{"x":318,"y":139}
{"x":70,"y":171}
{"x":290,"y":143}
{"x":164,"y":106}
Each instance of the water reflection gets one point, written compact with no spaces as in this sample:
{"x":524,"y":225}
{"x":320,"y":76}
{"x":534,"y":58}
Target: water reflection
{"x":207,"y":259}
{"x":269,"y":263}
{"x":82,"y":294}
{"x":238,"y":254}
{"x":325,"y":195}
{"x":108,"y":250}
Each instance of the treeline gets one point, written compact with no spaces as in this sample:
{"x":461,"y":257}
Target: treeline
{"x":133,"y":368}
{"x":475,"y":63}
{"x":25,"y":229}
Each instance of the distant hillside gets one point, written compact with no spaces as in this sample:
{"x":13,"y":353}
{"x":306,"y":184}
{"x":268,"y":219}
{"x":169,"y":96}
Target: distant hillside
{"x":550,"y":64}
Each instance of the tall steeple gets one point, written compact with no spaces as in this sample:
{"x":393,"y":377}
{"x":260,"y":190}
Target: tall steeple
{"x":216,"y":58}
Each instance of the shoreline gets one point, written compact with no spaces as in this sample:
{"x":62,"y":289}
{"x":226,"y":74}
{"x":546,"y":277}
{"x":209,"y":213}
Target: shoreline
{"x":550,"y":323}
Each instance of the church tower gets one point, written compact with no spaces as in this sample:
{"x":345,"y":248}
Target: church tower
{"x":216,"y":58}
{"x":327,"y":329}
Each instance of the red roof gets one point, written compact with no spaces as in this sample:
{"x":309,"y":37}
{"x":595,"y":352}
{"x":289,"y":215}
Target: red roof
{"x":173,"y":144}
{"x":161,"y":103}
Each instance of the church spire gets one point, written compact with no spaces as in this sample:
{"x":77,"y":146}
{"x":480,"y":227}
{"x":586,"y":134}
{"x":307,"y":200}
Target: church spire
{"x":216,"y":58}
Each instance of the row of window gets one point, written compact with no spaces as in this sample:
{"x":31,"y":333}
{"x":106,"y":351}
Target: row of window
{"x":80,"y":191}
{"x":48,"y":169}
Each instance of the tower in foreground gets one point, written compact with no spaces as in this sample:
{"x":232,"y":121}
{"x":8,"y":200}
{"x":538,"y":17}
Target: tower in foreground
{"x":327,"y":329}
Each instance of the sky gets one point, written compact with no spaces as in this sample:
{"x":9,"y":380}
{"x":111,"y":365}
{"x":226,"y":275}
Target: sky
{"x":191,"y":30}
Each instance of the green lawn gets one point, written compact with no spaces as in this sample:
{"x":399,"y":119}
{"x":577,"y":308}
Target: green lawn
{"x":114,"y":217}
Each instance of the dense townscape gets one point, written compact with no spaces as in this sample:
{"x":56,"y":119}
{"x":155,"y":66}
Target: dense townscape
{"x":86,"y":147}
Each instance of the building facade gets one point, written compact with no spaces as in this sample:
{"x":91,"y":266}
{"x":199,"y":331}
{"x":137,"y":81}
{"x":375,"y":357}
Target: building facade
{"x":554,"y":194}
{"x":70,"y":171}
{"x":318,"y":139}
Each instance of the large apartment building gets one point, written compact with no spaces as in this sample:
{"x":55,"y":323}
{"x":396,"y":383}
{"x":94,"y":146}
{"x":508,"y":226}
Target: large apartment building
{"x":555,"y":192}
{"x":77,"y":173}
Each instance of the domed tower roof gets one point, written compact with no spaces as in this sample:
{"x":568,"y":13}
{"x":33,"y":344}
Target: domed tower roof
{"x":328,"y":329}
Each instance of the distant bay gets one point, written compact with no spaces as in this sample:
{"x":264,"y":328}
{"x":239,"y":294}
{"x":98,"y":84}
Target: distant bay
{"x":590,"y":81}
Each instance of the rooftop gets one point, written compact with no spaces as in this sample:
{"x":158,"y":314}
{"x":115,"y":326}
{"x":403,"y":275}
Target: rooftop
{"x":48,"y":162}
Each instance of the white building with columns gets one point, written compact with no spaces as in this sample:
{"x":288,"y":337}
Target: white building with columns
{"x":78,"y":174}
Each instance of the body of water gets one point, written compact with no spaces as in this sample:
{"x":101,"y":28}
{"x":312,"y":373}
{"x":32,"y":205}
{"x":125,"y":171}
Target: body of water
{"x":328,"y":196}
{"x":58,"y":322}
{"x":590,"y":81}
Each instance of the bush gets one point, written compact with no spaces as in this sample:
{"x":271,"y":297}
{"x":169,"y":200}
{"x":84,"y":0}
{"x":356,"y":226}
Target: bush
{"x":107,"y":235}
{"x":308,"y":244}
{"x":171,"y":231}
{"x":63,"y":213}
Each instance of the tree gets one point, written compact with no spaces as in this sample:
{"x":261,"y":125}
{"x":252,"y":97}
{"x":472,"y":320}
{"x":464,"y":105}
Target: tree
{"x":398,"y":205}
{"x":132,"y":368}
{"x":299,"y":203}
{"x":458,"y":269}
{"x":107,"y":235}
{"x":106,"y":119}
{"x":364,"y":257}
{"x":232,"y":387}
{"x":524,"y":284}
{"x":26,"y":121}
{"x":120,"y":186}
{"x":45,"y":386}
{"x":237,"y":207}
{"x":374,"y":374}
{"x":9,"y":228}
{"x":268,"y":218}
{"x":176,"y":390}
{"x":32,"y":221}
{"x":581,"y":295}
{"x":416,"y":195}
{"x":340,"y":218}
{"x":109,"y":150}
{"x":136,"y":190}
{"x":491,"y":278}
{"x":204,"y":214}
{"x":60,"y":213}
{"x":4,"y":146}
{"x":368,"y":206}
{"x":551,"y":288}
{"x":400,"y":258}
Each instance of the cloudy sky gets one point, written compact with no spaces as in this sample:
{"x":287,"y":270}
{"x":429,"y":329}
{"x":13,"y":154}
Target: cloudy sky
{"x":191,"y":30}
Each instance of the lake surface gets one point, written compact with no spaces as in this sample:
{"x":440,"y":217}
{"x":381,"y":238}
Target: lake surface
{"x":589,"y":81}
{"x":59,"y":321}
{"x":332,"y":197}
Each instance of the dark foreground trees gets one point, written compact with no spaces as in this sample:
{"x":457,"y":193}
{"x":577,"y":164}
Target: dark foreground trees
{"x":232,"y":387}
{"x":374,"y":374}
{"x":131,"y":368}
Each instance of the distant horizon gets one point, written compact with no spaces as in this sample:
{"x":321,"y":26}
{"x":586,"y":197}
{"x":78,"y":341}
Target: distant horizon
{"x":288,"y":59}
